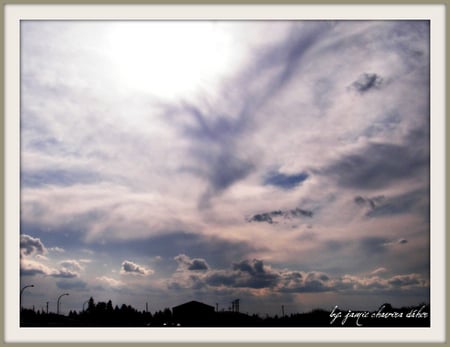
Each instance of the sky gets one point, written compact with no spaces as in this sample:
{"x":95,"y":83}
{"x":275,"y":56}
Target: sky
{"x":275,"y":162}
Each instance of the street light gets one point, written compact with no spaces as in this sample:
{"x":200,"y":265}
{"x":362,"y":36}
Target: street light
{"x":57,"y":303}
{"x":21,"y":292}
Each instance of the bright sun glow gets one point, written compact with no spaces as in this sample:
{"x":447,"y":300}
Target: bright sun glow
{"x":169,"y":59}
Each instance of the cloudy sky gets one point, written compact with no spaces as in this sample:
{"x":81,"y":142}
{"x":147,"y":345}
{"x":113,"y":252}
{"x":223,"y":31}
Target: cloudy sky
{"x":281,"y":163}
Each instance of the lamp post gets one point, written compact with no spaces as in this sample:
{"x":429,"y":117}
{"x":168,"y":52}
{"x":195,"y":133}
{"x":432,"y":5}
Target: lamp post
{"x":57,"y":303}
{"x":21,"y":292}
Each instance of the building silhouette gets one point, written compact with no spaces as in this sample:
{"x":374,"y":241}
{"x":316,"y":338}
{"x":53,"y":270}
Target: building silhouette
{"x":193,"y":312}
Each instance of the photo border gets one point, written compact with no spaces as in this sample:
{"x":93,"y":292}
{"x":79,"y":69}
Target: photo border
{"x":10,"y":156}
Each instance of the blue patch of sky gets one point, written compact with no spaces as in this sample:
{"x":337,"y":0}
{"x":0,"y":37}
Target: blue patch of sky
{"x":285,"y":181}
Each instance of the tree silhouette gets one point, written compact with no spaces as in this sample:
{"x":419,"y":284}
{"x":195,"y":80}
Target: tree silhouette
{"x":104,"y":314}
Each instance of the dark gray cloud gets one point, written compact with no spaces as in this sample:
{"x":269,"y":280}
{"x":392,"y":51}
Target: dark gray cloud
{"x":64,"y":273}
{"x":254,"y":274}
{"x":378,"y":165}
{"x":271,"y":217}
{"x":366,"y":82}
{"x":298,"y":212}
{"x":31,"y":246}
{"x":196,"y":264}
{"x":380,"y":206}
{"x":74,"y":285}
{"x":372,"y":245}
{"x":311,"y":282}
{"x":31,"y":272}
{"x":415,"y":201}
{"x":406,"y":280}
{"x":244,"y":274}
{"x":129,"y":267}
{"x":371,"y":203}
{"x":285,"y":181}
{"x":264,"y":217}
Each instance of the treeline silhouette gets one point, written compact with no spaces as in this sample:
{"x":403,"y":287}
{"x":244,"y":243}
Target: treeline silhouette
{"x":104,"y":314}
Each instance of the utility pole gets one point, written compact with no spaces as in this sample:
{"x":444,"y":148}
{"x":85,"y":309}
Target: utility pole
{"x":47,"y":307}
{"x":282,"y":310}
{"x":146,"y":307}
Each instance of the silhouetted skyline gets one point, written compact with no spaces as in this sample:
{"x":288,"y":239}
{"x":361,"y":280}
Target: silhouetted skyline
{"x":198,"y":314}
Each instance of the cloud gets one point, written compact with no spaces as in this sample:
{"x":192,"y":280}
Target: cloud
{"x":373,"y":244}
{"x":186,"y":263}
{"x":405,"y":203}
{"x":218,"y":247}
{"x":56,"y":249}
{"x":128,"y":267}
{"x":30,"y":267}
{"x":407,"y":280}
{"x":286,"y":181}
{"x":378,"y":165}
{"x":31,"y":246}
{"x":371,"y":203}
{"x":218,"y":136}
{"x":411,"y":202}
{"x":71,"y":265}
{"x":378,"y":271}
{"x":275,"y":216}
{"x":74,"y":285}
{"x":60,"y":177}
{"x":109,"y":281}
{"x":396,"y":242}
{"x":264,"y":217}
{"x":93,"y":212}
{"x":366,"y":82}
{"x":311,"y":282}
{"x":255,"y":275}
{"x":64,"y":273}
{"x":214,"y":138}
